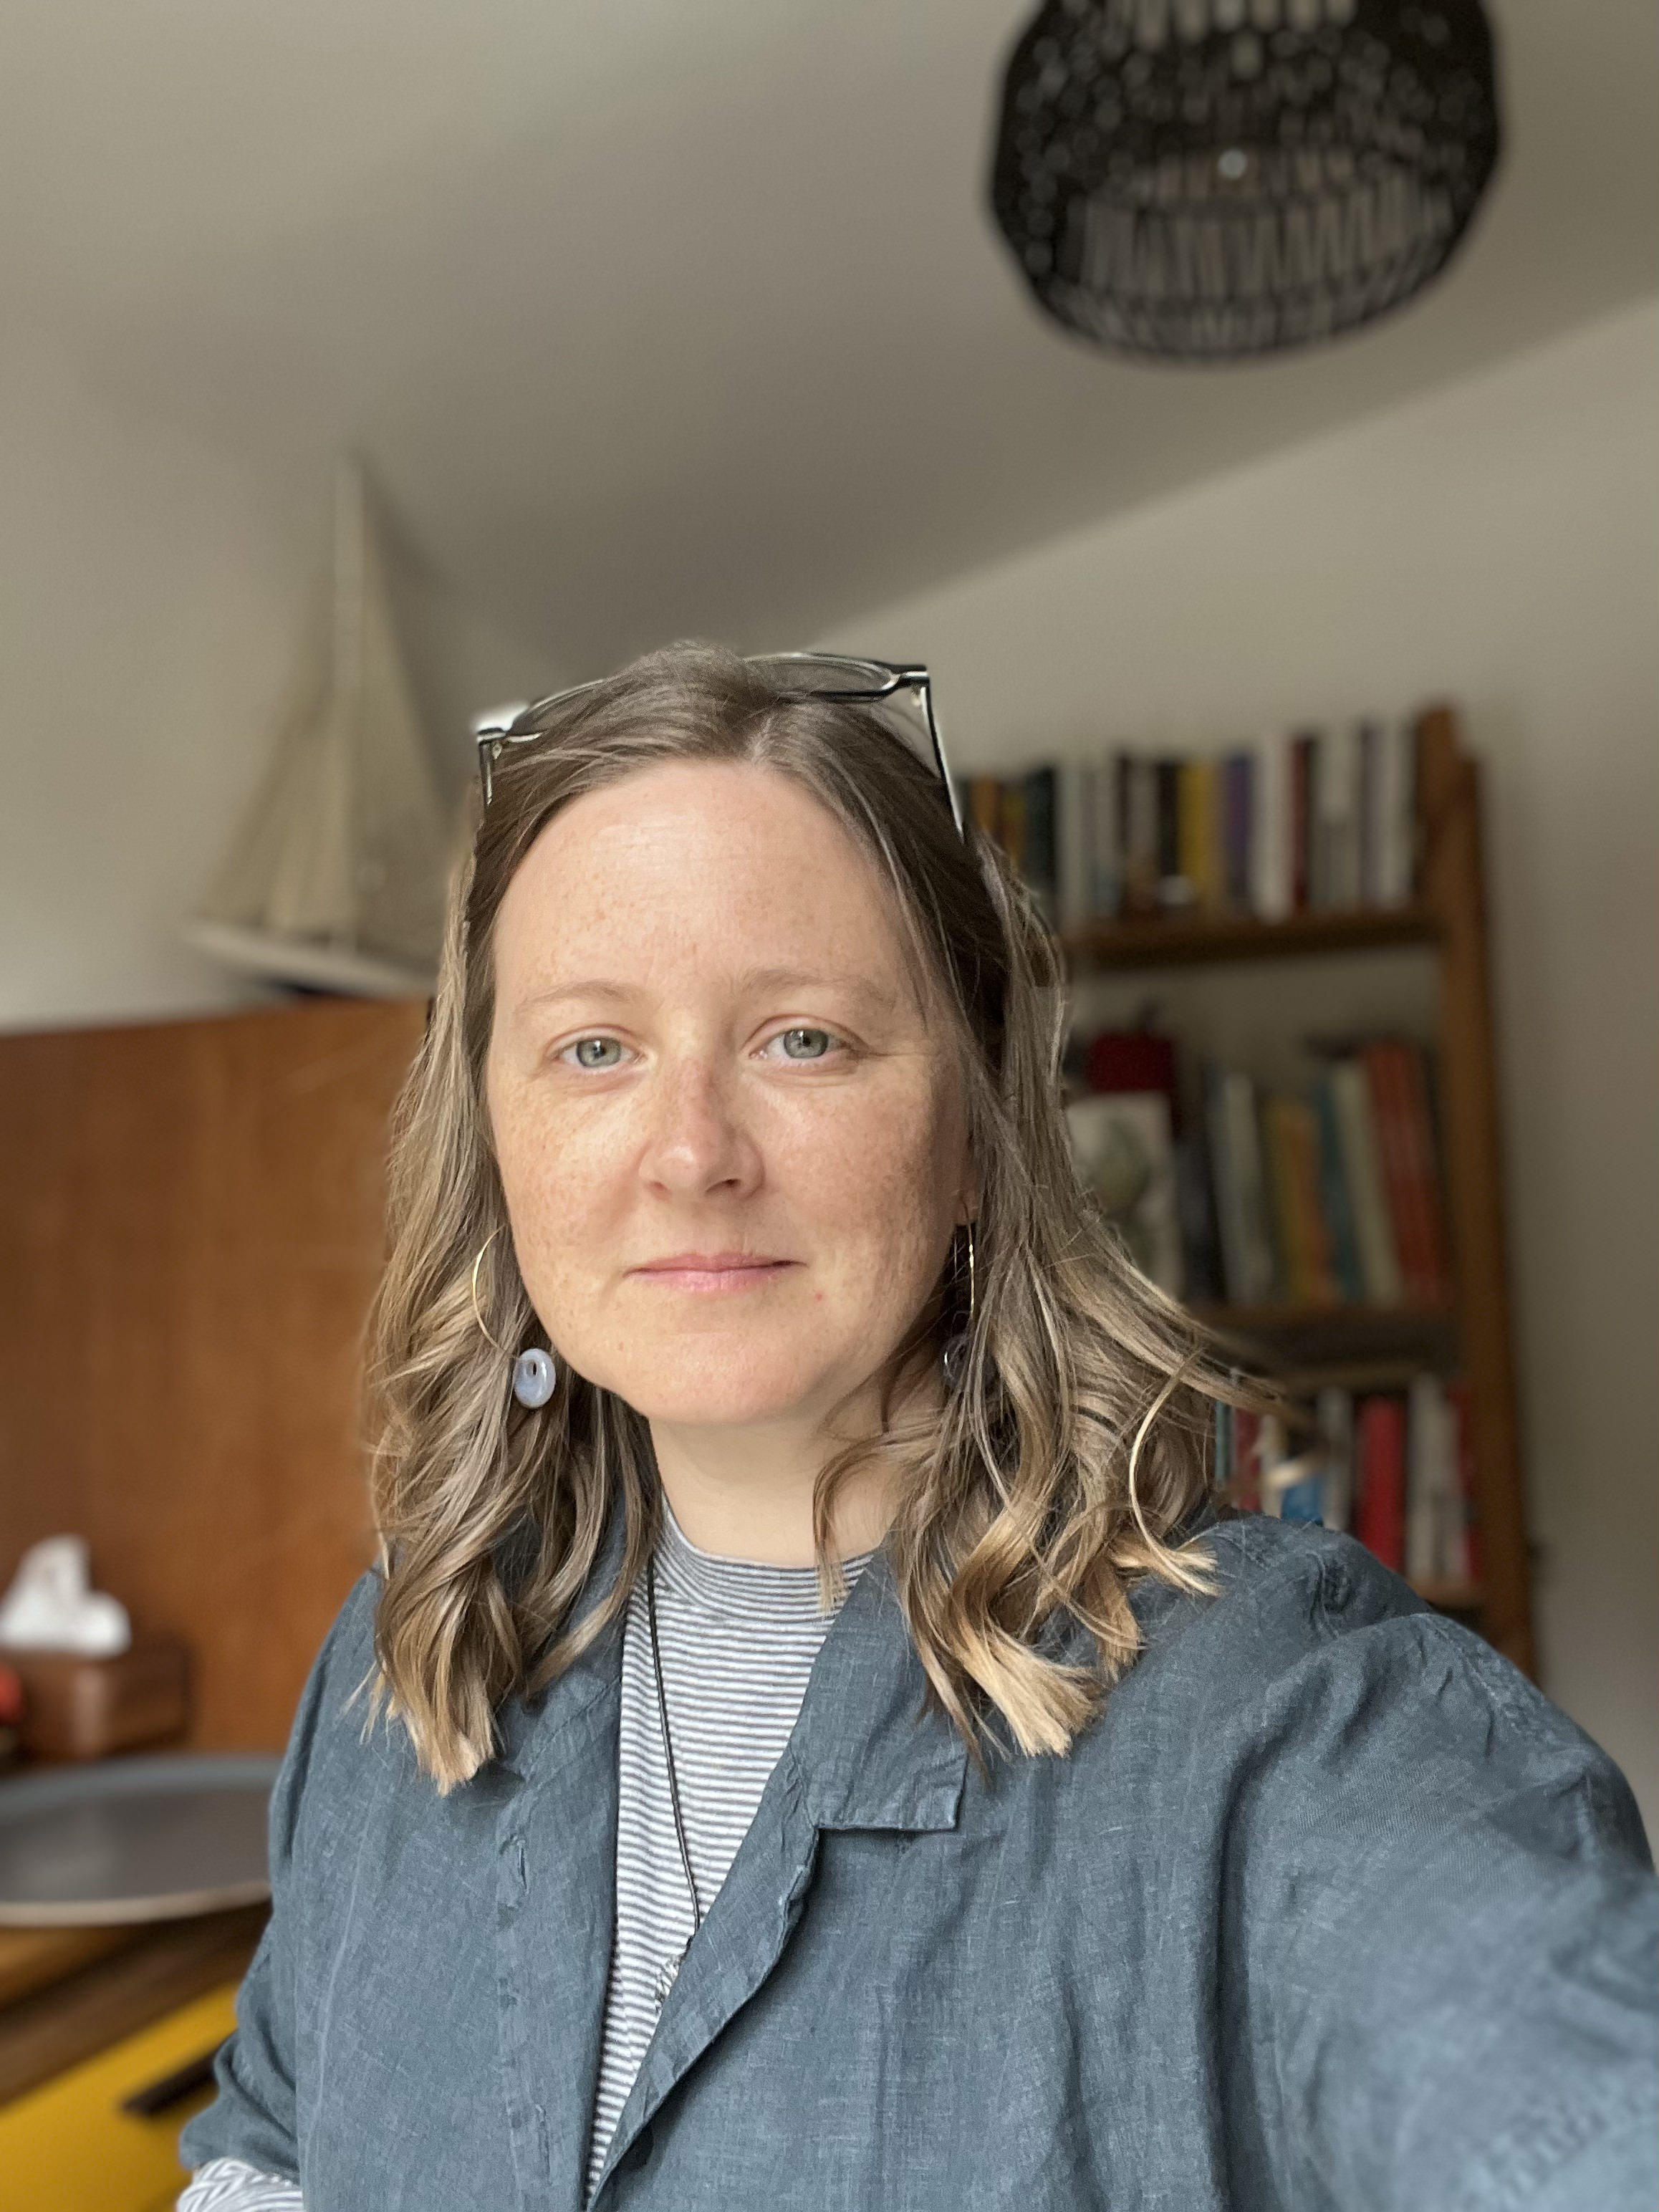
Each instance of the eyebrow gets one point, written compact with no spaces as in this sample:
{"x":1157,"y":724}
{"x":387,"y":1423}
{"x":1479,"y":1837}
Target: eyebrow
{"x":751,"y":981}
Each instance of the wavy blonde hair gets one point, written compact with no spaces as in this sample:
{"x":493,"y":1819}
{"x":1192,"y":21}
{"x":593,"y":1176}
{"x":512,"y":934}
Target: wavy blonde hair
{"x":1061,"y":1469}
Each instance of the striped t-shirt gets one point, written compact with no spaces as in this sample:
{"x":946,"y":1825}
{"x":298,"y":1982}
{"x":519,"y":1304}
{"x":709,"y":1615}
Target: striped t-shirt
{"x":739,"y":1641}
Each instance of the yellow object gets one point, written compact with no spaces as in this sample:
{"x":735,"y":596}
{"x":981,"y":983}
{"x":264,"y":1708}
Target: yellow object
{"x":68,"y":2146}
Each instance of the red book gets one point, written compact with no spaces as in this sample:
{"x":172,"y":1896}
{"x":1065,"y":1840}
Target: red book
{"x":1380,"y":1519}
{"x":1246,"y":1487}
{"x":1407,"y":1174}
{"x":1424,"y":1166}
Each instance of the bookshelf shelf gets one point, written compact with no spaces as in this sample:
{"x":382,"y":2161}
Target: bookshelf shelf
{"x":1302,"y":1345}
{"x":1189,"y":940}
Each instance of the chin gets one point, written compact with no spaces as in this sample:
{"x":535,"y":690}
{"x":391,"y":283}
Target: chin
{"x":698,"y":1389}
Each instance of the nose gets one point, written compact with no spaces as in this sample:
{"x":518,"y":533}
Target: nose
{"x":698,"y":1144}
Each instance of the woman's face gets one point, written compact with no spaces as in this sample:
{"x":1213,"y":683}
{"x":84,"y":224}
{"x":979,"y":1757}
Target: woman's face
{"x":731,"y":1140}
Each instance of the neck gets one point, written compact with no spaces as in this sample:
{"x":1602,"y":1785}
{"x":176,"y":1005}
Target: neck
{"x":746,"y":1493}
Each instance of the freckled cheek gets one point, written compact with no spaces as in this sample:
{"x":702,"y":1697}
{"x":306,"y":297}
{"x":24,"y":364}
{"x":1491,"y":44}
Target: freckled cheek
{"x":565,"y":1196}
{"x":866,"y":1188}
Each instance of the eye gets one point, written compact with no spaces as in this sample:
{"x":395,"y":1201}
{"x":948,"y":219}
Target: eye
{"x":803,"y":1043}
{"x":595,"y":1052}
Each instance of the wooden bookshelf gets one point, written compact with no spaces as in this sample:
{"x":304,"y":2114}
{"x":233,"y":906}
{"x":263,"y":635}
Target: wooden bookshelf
{"x":1189,"y":940}
{"x":1304,"y":1345}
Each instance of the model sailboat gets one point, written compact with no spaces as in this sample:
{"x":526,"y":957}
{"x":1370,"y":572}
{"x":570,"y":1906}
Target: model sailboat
{"x":336,"y":882}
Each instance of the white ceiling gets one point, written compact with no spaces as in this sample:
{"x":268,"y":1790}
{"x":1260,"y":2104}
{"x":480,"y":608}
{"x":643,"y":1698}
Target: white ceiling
{"x":654,"y":318}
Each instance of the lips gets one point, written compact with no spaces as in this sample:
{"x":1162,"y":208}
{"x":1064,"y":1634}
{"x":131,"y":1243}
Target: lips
{"x":713,"y":1271}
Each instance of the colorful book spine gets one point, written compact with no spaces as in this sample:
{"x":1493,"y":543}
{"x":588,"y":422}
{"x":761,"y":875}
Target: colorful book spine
{"x":1273,"y":882}
{"x":1335,"y":1201}
{"x":1289,"y":1143}
{"x":1304,"y":772}
{"x":1380,"y":1510}
{"x":1039,"y":864}
{"x":1432,"y":1503}
{"x":1379,"y":1259}
{"x":1237,"y":827}
{"x":1173,"y":888}
{"x":1399,"y":1093}
{"x":1247,"y":1258}
{"x":1106,"y":843}
{"x":1200,"y":859}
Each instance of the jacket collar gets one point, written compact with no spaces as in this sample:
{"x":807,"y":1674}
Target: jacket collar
{"x":868,"y":1749}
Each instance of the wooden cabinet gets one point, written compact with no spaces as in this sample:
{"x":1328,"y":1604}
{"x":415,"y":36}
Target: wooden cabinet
{"x":191,"y":1230}
{"x":73,"y":2145}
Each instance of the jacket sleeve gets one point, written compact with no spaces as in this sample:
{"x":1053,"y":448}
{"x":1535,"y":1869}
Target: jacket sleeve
{"x":1450,"y":1994}
{"x":254,"y":2119}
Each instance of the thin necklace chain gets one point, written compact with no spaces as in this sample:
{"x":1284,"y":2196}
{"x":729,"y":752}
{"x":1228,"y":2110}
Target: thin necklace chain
{"x":670,"y":1967}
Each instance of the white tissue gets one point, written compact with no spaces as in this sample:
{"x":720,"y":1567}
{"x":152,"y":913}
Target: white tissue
{"x":52,"y":1606}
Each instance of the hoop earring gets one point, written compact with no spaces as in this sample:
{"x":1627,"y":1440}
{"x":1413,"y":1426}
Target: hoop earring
{"x":535,"y":1372}
{"x":955,"y":1359}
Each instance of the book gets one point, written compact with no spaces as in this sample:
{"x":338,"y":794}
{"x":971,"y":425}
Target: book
{"x":1379,"y":1260}
{"x":1237,"y":827}
{"x":1304,"y":770}
{"x":985,"y":804}
{"x":1333,"y":858}
{"x":1431,"y":1480}
{"x":1273,"y":891}
{"x":1040,"y":863}
{"x":1290,"y":1143}
{"x":1174,"y":890}
{"x":1394,"y":861}
{"x":1250,"y":1265}
{"x":1200,"y":859}
{"x":1246,"y":1460}
{"x":1138,"y":819}
{"x":1335,"y":1201}
{"x":1105,"y":842}
{"x":1395,"y":1075}
{"x":1380,"y":1507}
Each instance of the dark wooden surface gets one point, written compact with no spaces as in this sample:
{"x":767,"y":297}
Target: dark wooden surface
{"x":1187,"y":940}
{"x":94,"y":2005}
{"x":1471,"y":1130}
{"x":191,"y":1227}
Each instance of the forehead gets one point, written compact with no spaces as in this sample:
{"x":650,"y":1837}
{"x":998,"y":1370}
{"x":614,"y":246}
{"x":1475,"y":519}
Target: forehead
{"x":693,"y":864}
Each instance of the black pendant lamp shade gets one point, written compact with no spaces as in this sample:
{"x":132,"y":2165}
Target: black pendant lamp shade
{"x":1210,"y":180}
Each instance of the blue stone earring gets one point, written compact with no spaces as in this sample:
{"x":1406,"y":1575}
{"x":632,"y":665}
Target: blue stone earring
{"x":535,"y":1372}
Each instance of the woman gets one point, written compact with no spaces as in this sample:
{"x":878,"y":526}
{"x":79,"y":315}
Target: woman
{"x":817,"y":1746}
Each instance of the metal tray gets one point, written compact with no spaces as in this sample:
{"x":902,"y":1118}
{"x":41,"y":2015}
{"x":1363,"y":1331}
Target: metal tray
{"x":122,"y":1840}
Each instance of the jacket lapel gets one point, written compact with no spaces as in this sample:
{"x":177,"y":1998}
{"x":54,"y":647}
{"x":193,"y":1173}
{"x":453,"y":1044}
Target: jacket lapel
{"x":864,"y":1754}
{"x":555,"y":1837}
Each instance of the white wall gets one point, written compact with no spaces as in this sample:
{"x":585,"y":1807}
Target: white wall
{"x":153,"y":598}
{"x":1496,"y":543}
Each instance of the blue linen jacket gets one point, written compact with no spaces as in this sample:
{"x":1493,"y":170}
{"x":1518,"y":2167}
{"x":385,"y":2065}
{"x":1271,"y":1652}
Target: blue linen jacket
{"x":1329,"y":1908}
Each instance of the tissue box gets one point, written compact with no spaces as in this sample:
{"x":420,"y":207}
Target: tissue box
{"x":79,"y":1708}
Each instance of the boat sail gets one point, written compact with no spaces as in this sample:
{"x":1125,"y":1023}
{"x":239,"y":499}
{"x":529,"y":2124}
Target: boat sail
{"x":336,"y":881}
